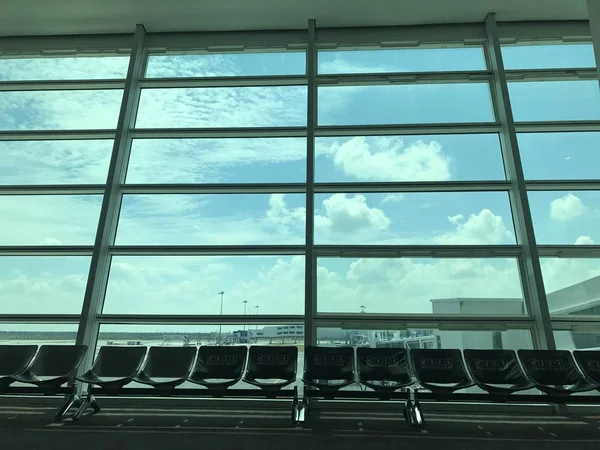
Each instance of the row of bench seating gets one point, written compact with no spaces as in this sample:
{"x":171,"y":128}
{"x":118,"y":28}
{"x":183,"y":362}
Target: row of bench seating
{"x":390,"y":373}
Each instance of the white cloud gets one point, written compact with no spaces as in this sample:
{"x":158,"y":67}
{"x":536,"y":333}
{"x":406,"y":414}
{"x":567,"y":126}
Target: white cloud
{"x":393,"y":198}
{"x":479,"y":229}
{"x":566,"y":208}
{"x":584,"y":240}
{"x":350,"y":214}
{"x":387,"y":159}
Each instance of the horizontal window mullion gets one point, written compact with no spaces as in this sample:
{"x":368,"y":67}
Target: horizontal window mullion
{"x":52,"y":189}
{"x":61,"y":85}
{"x":46,"y":250}
{"x":569,"y":251}
{"x":215,"y":133}
{"x":40,"y":318}
{"x":211,"y":82}
{"x":363,"y":79}
{"x":437,"y":251}
{"x":168,"y":319}
{"x":405,"y":129}
{"x":51,"y":135}
{"x":207,"y":250}
{"x":561,"y":185}
{"x":433,"y":186}
{"x":576,"y":323}
{"x":233,"y":188}
{"x":583,"y":73}
{"x":557,"y":126}
{"x":402,"y":321}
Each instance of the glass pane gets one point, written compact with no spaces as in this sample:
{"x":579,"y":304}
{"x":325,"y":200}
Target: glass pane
{"x":190,"y":285}
{"x":409,"y":158}
{"x":561,"y":56}
{"x":54,"y":162}
{"x":445,"y":218}
{"x":562,"y":156}
{"x":555,"y":100}
{"x":398,"y":104}
{"x":63,"y":68}
{"x":404,"y":286}
{"x":38,"y":333}
{"x":53,"y":110}
{"x":42,"y":285}
{"x":222,"y":107}
{"x":577,"y":340}
{"x":572,"y":286}
{"x":226,"y":65}
{"x":425,"y":338}
{"x":401,"y":60}
{"x":49,"y":219}
{"x":561,"y":217}
{"x":278,"y":160}
{"x":223,"y":219}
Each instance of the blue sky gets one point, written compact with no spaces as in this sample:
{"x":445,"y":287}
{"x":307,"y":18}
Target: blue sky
{"x":190,"y":284}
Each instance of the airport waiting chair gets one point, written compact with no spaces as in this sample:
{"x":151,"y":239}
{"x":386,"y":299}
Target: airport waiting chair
{"x":271,"y":368}
{"x":329,"y":368}
{"x":497,"y":372}
{"x":441,"y":371}
{"x":166,"y":368}
{"x":219,"y":367}
{"x":14,"y":360}
{"x":589,"y":363}
{"x":113,"y":368}
{"x":52,"y":367}
{"x":385,"y":370}
{"x":555,"y":373}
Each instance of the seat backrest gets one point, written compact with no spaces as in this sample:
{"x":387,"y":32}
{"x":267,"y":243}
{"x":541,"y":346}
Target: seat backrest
{"x":382,"y":364}
{"x":15,"y":358}
{"x":221,"y":362}
{"x":494,"y":366}
{"x":589,"y":361}
{"x":119,"y":362}
{"x":329,"y":363}
{"x":272,"y":362}
{"x":170,"y":362}
{"x":57,"y":360}
{"x":438,"y":365}
{"x":550,"y":367}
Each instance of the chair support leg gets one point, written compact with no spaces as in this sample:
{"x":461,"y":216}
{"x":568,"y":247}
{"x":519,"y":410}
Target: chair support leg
{"x":72,"y":400}
{"x":90,"y":401}
{"x":408,"y":408}
{"x":418,"y":419}
{"x":295,"y":405}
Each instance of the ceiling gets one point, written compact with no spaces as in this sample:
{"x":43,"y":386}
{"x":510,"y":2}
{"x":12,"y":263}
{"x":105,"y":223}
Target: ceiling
{"x":51,"y":17}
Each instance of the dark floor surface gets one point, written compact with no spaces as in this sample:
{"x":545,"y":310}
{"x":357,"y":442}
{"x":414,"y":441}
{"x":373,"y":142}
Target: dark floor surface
{"x":23,"y":427}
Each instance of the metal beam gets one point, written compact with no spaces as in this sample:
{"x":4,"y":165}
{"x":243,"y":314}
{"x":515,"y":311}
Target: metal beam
{"x":56,"y":135}
{"x":52,"y":189}
{"x":424,"y":186}
{"x":217,"y":82}
{"x":376,"y":79}
{"x":80,"y":45}
{"x":559,"y":185}
{"x":61,"y":85}
{"x":557,"y":126}
{"x":417,"y":251}
{"x":40,"y":318}
{"x":206,"y":250}
{"x":196,"y":319}
{"x":213,"y":133}
{"x":225,"y":188}
{"x":593,"y":7}
{"x":46,"y":250}
{"x":310,"y":274}
{"x":533,"y":284}
{"x":407,"y":129}
{"x":100,"y":264}
{"x":569,"y":251}
{"x":583,"y":73}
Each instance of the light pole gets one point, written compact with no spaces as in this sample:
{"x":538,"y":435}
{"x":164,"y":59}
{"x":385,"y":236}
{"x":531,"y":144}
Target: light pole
{"x":220,"y":325}
{"x":245,"y":302}
{"x":362,"y":308}
{"x":256,"y":324}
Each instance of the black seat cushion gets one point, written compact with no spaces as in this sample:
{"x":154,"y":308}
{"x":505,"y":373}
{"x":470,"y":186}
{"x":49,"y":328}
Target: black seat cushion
{"x":220,"y":362}
{"x":550,"y":367}
{"x":494,"y":366}
{"x":329,"y":363}
{"x":589,"y":361}
{"x":383,"y":364}
{"x":270,"y":362}
{"x":438,"y":365}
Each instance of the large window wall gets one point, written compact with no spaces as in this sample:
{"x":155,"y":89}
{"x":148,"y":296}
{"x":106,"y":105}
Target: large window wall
{"x":419,"y":186}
